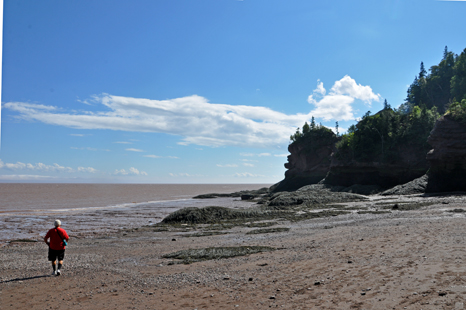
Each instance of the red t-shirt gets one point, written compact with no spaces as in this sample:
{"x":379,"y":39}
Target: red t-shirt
{"x":56,"y":242}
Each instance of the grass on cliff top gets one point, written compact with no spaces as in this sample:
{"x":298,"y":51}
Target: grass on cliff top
{"x":197,"y":255}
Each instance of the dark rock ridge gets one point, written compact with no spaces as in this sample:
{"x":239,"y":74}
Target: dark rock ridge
{"x":447,"y":159}
{"x":316,"y":194}
{"x":248,"y":194}
{"x":308,"y":163}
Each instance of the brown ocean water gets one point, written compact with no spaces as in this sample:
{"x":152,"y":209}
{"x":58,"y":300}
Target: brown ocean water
{"x":27,"y":210}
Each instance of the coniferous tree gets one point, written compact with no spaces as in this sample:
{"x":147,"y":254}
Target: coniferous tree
{"x":458,"y":81}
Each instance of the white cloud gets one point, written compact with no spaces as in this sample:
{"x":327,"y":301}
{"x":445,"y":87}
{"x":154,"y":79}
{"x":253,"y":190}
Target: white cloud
{"x":87,"y":169}
{"x":348,"y":86}
{"x":227,"y":165}
{"x":248,"y":165}
{"x":77,"y":134}
{"x":193,"y":118}
{"x":135,"y":171}
{"x":156,"y":156}
{"x":17,"y":166}
{"x":131,"y":171}
{"x":247,"y":175}
{"x":337,"y":104}
{"x":181,"y":175}
{"x":44,"y":168}
{"x":123,"y":142}
{"x":200,"y":122}
{"x":281,"y":155}
{"x":134,"y":150}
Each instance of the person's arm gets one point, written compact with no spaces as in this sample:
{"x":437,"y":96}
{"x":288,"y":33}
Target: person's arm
{"x":46,"y":239}
{"x":66,"y":236}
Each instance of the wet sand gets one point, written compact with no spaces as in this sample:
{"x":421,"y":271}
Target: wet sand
{"x":401,"y":260}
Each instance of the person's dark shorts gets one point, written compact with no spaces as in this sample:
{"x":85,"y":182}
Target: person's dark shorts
{"x":56,"y":254}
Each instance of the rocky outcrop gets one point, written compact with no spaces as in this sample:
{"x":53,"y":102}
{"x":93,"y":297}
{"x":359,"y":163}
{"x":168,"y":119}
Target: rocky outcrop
{"x":406,"y":163}
{"x":308,"y":163}
{"x":416,"y":186}
{"x":316,"y":194}
{"x":374,"y":173}
{"x":447,"y":159}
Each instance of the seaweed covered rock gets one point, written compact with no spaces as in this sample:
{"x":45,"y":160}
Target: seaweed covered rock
{"x":207,"y":215}
{"x":316,"y":194}
{"x":196,"y":255}
{"x":251,"y":193}
{"x":447,"y":159}
{"x":416,"y":186}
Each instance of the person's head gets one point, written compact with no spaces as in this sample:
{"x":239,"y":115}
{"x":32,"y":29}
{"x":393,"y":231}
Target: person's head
{"x":57,"y":223}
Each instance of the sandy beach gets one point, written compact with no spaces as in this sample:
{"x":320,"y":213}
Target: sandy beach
{"x":398,"y":260}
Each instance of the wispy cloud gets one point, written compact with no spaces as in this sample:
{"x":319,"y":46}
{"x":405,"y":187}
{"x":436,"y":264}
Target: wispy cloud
{"x":131,"y":171}
{"x":87,"y":169}
{"x":337,"y":104}
{"x":156,"y":156}
{"x":43,"y":167}
{"x":185,"y":175}
{"x":134,"y":150}
{"x":248,"y":165}
{"x":227,"y":166}
{"x":197,"y":121}
{"x":248,"y":175}
{"x":123,"y":142}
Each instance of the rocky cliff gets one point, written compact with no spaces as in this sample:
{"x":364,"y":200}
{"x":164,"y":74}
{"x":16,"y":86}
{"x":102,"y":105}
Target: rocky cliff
{"x":308,"y":162}
{"x":447,"y":159}
{"x":410,"y":164}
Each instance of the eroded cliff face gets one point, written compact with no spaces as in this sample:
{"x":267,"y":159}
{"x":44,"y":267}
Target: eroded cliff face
{"x":308,"y":163}
{"x":447,"y":159}
{"x":411,"y":164}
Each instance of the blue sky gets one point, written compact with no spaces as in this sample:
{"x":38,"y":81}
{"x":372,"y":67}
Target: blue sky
{"x":199,"y":91}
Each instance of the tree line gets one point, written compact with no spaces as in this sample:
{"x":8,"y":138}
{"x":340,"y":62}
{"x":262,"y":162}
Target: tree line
{"x":380,"y":137}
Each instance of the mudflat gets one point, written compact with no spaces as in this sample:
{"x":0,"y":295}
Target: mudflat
{"x":411,"y":259}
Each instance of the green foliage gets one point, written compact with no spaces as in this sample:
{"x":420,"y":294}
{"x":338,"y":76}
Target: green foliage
{"x":377,"y":138}
{"x":445,"y":83}
{"x":312,"y":133}
{"x":458,"y":81}
{"x":457,"y":111}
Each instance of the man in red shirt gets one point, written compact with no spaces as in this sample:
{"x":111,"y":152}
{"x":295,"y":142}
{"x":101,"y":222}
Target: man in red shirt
{"x":56,"y":245}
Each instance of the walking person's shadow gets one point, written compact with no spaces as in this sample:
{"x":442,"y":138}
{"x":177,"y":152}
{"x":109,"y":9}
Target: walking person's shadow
{"x":24,"y":279}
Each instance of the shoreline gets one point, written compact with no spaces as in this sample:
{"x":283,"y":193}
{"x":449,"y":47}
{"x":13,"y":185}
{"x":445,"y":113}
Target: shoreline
{"x":100,"y":220}
{"x":400,"y":259}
